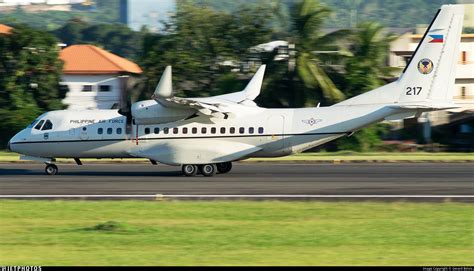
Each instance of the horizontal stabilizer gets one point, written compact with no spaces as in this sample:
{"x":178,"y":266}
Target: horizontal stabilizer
{"x":427,"y":106}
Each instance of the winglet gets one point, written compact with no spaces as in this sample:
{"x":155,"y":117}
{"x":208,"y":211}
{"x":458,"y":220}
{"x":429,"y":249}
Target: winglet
{"x":252,"y":90}
{"x":165,"y":86}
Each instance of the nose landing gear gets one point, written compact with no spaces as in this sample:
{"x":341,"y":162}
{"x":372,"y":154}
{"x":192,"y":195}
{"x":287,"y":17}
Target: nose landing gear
{"x":51,"y":169}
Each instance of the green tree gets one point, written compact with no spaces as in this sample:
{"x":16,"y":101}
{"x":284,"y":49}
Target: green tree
{"x":308,"y":17}
{"x":71,"y":32}
{"x":309,"y":80}
{"x":197,"y":41}
{"x":30,"y":72}
{"x":367,"y":139}
{"x":365,"y":71}
{"x":367,"y":68}
{"x":116,"y":38}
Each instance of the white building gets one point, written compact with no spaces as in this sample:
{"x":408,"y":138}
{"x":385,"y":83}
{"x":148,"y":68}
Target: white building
{"x":94,"y":78}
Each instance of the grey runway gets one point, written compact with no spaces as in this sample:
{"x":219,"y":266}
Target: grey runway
{"x":244,"y":179}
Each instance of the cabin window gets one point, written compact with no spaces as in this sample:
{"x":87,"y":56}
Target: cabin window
{"x":251,"y":130}
{"x":185,"y":130}
{"x":84,"y":129}
{"x":241,"y":130}
{"x":175,"y":130}
{"x":213,"y":130}
{"x":48,"y":125}
{"x":100,"y":131}
{"x":222,"y":130}
{"x":119,"y":131}
{"x":464,"y":57}
{"x":166,"y":130}
{"x":38,"y":126}
{"x":104,"y":88}
{"x":195,"y":130}
{"x":87,"y":88}
{"x":156,"y":130}
{"x":203,"y":130}
{"x":110,"y":130}
{"x":260,"y":130}
{"x":147,"y":130}
{"x":232,"y":130}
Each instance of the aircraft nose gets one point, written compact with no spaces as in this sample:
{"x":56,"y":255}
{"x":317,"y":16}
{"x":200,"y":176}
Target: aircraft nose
{"x":11,"y":144}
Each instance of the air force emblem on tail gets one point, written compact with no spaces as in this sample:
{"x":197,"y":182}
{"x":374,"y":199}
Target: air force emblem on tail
{"x":425,"y":66}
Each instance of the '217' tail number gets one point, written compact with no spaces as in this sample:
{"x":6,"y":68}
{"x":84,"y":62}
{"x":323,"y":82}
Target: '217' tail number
{"x":413,"y":91}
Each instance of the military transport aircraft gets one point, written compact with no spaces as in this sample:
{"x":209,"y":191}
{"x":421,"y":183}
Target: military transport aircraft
{"x":205,"y":135}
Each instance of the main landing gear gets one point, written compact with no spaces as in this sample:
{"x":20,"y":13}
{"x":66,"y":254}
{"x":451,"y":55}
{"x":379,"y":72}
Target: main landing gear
{"x":51,"y":169}
{"x":207,"y":170}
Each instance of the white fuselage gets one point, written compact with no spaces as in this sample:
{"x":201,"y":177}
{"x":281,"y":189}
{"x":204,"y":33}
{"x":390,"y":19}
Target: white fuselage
{"x":217,"y":130}
{"x":260,"y":132}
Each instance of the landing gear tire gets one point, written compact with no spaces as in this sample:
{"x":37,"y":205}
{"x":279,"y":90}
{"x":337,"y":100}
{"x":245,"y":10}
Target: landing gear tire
{"x":189,"y":170}
{"x":51,"y":169}
{"x":224,"y":167}
{"x":208,"y":170}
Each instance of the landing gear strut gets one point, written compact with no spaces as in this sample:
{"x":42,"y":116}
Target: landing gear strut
{"x":51,"y":169}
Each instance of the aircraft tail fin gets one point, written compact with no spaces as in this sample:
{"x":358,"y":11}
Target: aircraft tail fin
{"x":428,"y":79}
{"x":430,"y":74}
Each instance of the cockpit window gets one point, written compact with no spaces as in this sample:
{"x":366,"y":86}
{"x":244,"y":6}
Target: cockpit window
{"x":33,"y":123}
{"x":47,"y":126}
{"x":38,"y":126}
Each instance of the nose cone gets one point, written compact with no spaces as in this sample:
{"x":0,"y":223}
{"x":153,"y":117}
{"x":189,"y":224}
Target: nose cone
{"x":12,"y":143}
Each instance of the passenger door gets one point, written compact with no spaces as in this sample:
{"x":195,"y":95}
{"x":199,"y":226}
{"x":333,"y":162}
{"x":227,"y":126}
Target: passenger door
{"x":275,"y":133}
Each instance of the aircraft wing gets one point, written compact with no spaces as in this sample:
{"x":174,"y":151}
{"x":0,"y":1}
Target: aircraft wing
{"x":250,"y":92}
{"x":216,"y":110}
{"x":216,"y":106}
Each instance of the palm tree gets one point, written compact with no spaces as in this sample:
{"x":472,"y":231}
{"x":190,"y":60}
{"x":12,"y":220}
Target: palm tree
{"x":305,"y":80}
{"x":308,"y":17}
{"x":368,"y":66}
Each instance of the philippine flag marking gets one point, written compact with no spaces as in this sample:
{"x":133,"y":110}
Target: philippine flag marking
{"x":436,"y":39}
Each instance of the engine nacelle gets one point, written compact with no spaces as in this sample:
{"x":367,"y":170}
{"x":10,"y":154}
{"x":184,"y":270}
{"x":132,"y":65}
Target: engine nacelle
{"x":151,"y":112}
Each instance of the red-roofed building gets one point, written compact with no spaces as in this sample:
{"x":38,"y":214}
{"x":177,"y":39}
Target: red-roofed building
{"x":5,"y":29}
{"x":95,"y":78}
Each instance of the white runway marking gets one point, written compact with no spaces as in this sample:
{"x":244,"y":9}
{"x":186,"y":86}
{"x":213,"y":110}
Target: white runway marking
{"x":161,"y":196}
